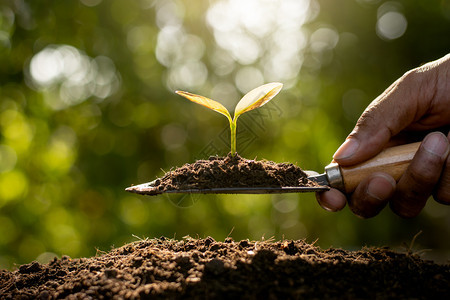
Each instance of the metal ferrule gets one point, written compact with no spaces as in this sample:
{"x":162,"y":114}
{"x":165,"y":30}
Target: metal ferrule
{"x":334,"y":176}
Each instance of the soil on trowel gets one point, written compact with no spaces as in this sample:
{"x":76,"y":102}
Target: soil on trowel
{"x":207,"y":269}
{"x":233,"y":171}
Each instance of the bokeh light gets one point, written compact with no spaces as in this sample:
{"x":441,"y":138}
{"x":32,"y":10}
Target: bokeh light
{"x":8,"y":158}
{"x":77,"y":76}
{"x":267,"y":34}
{"x":391,"y":22}
{"x":87,"y":108}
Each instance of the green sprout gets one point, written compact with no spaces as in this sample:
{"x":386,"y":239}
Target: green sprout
{"x":253,"y":99}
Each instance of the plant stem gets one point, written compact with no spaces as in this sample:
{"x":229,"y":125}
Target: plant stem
{"x":233,"y":136}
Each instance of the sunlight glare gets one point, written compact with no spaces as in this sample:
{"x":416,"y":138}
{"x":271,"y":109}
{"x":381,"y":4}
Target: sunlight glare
{"x":391,"y":22}
{"x":391,"y":25}
{"x":74,"y":74}
{"x":267,"y":32}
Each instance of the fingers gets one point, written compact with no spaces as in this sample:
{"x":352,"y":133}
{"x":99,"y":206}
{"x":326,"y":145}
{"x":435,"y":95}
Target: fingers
{"x":372,"y":195}
{"x":442,"y":194}
{"x":442,"y":191}
{"x":422,"y":176}
{"x":369,"y":198}
{"x":332,"y":200}
{"x":405,"y":102}
{"x":417,"y":101}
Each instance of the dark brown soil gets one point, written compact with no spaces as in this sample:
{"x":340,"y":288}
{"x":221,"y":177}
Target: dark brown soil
{"x":206,"y":269}
{"x":233,"y":171}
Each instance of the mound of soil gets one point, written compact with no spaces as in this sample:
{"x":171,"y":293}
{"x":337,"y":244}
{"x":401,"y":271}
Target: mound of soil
{"x":229,"y":172}
{"x":203,"y":268}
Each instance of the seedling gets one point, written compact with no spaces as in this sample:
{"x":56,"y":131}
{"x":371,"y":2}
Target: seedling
{"x":253,"y":99}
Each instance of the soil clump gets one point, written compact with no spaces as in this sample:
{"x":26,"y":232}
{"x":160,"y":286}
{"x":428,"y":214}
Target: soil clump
{"x":233,"y":171}
{"x":207,"y":269}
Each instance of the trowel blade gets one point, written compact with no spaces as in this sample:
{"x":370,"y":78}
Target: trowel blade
{"x":320,"y":179}
{"x":150,"y":189}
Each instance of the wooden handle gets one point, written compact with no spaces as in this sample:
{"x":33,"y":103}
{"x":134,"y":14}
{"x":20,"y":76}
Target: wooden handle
{"x":393,"y":161}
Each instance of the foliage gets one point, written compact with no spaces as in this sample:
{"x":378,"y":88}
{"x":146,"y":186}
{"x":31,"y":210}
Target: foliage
{"x":253,"y":99}
{"x":86,"y":109}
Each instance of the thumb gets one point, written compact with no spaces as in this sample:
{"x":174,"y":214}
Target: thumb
{"x":403,"y":103}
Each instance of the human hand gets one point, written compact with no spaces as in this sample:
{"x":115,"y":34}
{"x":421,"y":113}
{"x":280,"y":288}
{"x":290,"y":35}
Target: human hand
{"x":417,"y":103}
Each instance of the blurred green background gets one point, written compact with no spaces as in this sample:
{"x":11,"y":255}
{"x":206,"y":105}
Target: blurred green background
{"x":87,"y":108}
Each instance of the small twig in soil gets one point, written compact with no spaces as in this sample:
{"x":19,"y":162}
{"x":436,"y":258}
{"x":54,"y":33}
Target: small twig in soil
{"x":97,"y":251}
{"x":139,"y":238}
{"x":409,"y":248}
{"x":313,"y":243}
{"x":270,"y":240}
{"x":414,"y":240}
{"x":232,"y":229}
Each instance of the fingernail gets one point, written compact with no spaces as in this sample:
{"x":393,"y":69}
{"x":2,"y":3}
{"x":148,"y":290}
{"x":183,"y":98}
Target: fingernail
{"x":381,"y":187}
{"x":327,"y":208}
{"x":330,"y":207}
{"x":335,"y":201}
{"x":347,"y":149}
{"x":436,"y":143}
{"x":324,"y":204}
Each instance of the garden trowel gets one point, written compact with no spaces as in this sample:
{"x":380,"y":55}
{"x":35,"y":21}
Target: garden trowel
{"x":393,"y":161}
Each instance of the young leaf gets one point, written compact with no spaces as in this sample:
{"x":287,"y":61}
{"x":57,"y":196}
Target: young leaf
{"x":253,"y":99}
{"x":257,"y":98}
{"x":209,"y":103}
